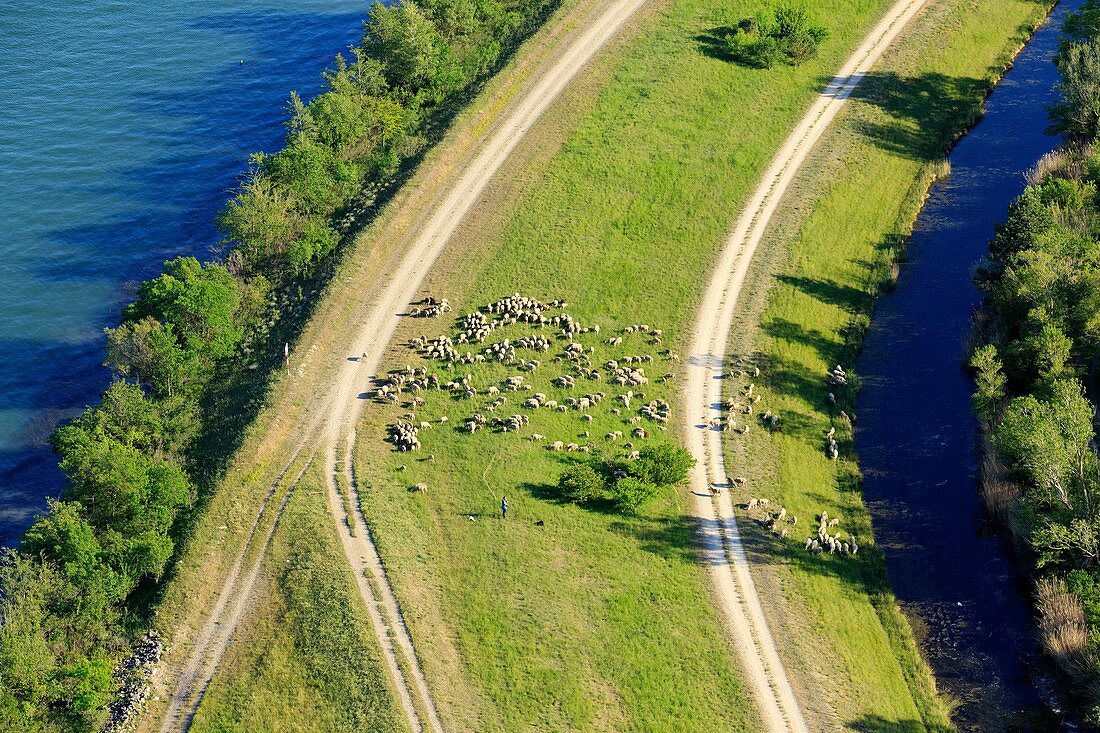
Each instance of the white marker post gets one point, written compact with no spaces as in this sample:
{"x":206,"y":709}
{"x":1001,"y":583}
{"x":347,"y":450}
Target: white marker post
{"x":286,"y":357}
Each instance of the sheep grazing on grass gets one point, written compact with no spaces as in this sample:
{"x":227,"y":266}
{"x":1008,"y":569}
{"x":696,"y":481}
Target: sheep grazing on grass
{"x":418,"y":488}
{"x":403,"y":436}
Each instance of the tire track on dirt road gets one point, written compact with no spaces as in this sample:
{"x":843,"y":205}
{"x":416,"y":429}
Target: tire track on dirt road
{"x":722,"y":551}
{"x":214,"y":638}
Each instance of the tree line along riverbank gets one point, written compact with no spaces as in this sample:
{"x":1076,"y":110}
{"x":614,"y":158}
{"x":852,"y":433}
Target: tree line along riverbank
{"x":1035,"y":371}
{"x":192,"y":353}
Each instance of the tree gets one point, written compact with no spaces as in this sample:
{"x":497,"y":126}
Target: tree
{"x":261,"y":223}
{"x":149,"y":351}
{"x":199,"y":302}
{"x":1078,"y":113}
{"x":316,"y":180}
{"x":1073,"y":545}
{"x":1028,"y":218}
{"x":414,"y":56}
{"x":989,"y":381}
{"x":65,"y":537}
{"x":580,"y":484}
{"x":780,"y":34}
{"x":663,"y":465}
{"x":631,"y":493}
{"x":1049,"y":440}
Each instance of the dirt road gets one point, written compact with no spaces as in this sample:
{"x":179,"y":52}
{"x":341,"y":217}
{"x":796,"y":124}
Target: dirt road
{"x":331,"y":432}
{"x":723,"y":552}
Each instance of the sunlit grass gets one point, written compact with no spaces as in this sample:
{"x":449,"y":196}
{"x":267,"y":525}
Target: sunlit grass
{"x":307,"y":659}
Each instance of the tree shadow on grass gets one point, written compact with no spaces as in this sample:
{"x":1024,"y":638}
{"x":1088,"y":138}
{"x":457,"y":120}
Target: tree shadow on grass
{"x":924,"y":114}
{"x":879,"y":724}
{"x":712,"y":42}
{"x":849,"y":298}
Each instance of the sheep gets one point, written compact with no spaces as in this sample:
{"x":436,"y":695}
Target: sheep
{"x":536,"y":437}
{"x":557,"y":445}
{"x":418,"y":488}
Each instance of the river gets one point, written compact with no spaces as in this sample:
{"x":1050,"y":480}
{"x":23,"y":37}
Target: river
{"x":917,"y":440}
{"x":127,"y":124}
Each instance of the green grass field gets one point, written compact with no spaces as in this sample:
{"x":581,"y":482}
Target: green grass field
{"x":307,"y":661}
{"x":596,"y":621}
{"x":864,"y":189}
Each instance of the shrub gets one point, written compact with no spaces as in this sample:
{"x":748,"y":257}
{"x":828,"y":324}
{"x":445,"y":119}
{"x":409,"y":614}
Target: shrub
{"x":580,"y":484}
{"x":781,"y":34}
{"x":662,"y":465}
{"x":631,"y":493}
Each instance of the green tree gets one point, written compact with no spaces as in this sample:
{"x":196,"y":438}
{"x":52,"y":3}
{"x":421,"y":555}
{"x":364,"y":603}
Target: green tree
{"x":149,"y":351}
{"x":1049,"y":440}
{"x":414,"y":56}
{"x":663,"y":465}
{"x":989,"y":380}
{"x":261,"y":223}
{"x":1067,"y":546}
{"x":580,"y":483}
{"x":199,"y":302}
{"x":1078,"y":113}
{"x":630,"y":494}
{"x":781,"y":34}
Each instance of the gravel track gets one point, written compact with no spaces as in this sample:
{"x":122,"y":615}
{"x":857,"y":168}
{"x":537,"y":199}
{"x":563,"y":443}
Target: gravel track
{"x":722,"y":550}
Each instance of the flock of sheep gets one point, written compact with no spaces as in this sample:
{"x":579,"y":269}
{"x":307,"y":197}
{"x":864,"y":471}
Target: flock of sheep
{"x":831,"y":542}
{"x":471,"y":343}
{"x":578,"y":363}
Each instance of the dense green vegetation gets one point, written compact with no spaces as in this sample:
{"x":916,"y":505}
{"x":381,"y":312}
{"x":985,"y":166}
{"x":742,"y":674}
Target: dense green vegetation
{"x":79,"y":587}
{"x":1036,"y":372}
{"x":629,"y":485}
{"x":782,"y":34}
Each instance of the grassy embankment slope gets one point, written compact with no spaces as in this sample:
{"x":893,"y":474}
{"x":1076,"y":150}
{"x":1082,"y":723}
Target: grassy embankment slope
{"x":308,"y":661}
{"x":597,"y":620}
{"x":830,"y":253}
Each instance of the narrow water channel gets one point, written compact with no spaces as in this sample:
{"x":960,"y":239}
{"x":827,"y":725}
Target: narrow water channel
{"x":916,"y":437}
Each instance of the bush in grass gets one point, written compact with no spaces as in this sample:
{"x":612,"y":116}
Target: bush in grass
{"x":580,"y":484}
{"x":783,"y":34}
{"x":662,"y":465}
{"x":630,"y":494}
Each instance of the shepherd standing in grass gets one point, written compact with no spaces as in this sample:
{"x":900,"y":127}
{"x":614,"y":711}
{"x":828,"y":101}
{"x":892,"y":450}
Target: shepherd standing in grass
{"x":504,"y":507}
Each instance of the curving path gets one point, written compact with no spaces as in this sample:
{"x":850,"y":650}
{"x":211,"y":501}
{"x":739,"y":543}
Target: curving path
{"x":330,"y":432}
{"x":723,"y":553}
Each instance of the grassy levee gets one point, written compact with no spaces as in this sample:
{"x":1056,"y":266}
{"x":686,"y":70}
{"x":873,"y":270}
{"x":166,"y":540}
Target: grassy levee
{"x":220,"y":533}
{"x":832,"y":249}
{"x":307,"y":659}
{"x":619,"y":202}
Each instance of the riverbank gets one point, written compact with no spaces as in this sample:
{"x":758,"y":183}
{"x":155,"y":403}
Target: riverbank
{"x":830,"y":254}
{"x":653,"y":213}
{"x":917,"y":443}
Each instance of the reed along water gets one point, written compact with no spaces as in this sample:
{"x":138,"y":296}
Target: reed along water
{"x":126,"y":125}
{"x":916,"y":438}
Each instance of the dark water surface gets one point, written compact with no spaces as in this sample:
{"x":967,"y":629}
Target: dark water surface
{"x":916,"y":438}
{"x":126,"y":123}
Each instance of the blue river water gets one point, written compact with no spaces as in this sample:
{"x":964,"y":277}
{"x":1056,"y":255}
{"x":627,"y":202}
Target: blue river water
{"x":127,"y":124}
{"x":916,"y":438}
